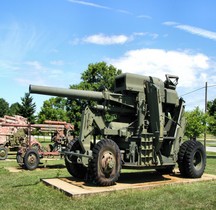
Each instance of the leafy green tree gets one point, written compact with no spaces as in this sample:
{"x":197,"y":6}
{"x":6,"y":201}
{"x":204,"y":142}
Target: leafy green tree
{"x":211,"y":106}
{"x":27,"y":108}
{"x":196,"y":123}
{"x":4,"y":107}
{"x":97,"y":77}
{"x":53,"y":109}
{"x":14,"y":109}
{"x":212,"y":124}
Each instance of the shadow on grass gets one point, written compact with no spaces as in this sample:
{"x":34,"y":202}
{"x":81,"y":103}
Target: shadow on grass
{"x":125,"y":178}
{"x":211,"y":156}
{"x":27,"y":185}
{"x":141,"y":177}
{"x":56,"y":166}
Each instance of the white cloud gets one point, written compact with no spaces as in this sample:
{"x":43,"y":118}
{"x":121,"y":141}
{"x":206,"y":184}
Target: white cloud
{"x":193,"y":30}
{"x":144,"y":16}
{"x":198,"y":31}
{"x":85,"y":3}
{"x":102,"y":39}
{"x":124,"y":11}
{"x":140,"y":33}
{"x":90,"y":4}
{"x":170,"y":23}
{"x":192,"y":68}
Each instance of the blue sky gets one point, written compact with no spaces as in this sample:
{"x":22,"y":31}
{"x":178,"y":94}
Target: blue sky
{"x":51,"y":42}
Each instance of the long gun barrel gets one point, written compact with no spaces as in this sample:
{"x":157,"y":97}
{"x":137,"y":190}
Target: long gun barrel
{"x":64,"y":92}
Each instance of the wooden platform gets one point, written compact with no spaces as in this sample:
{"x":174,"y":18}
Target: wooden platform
{"x":145,"y":180}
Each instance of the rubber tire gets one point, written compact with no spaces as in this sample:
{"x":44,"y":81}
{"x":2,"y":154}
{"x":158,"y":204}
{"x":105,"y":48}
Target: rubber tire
{"x":194,"y":160}
{"x":36,"y":159}
{"x":19,"y":159}
{"x":77,"y":170}
{"x":98,"y":176}
{"x":181,"y":155}
{"x":4,"y":151}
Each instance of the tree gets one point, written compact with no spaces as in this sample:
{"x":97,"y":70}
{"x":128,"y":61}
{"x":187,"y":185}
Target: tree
{"x":53,"y":109}
{"x":4,"y":107}
{"x":211,"y":106}
{"x":212,"y":124}
{"x":14,"y":109}
{"x":27,"y":108}
{"x":97,"y":77}
{"x":196,"y":123}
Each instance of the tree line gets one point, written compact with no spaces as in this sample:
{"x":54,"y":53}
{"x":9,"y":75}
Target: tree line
{"x":97,"y":77}
{"x":25,"y":108}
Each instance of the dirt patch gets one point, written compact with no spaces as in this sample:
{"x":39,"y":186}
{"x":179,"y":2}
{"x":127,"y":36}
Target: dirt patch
{"x":14,"y":169}
{"x":143,"y":180}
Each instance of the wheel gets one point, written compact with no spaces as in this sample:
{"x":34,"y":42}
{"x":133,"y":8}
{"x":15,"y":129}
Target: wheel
{"x":106,"y":163}
{"x":194,"y":160}
{"x":181,"y":154}
{"x":77,"y":170}
{"x":31,"y":159}
{"x":3,"y":153}
{"x":19,"y":159}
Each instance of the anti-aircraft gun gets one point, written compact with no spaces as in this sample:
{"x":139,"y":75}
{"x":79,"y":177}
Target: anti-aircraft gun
{"x":147,"y":131}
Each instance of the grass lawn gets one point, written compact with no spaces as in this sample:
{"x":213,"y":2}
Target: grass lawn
{"x":24,"y":190}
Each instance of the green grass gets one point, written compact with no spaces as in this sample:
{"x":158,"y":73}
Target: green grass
{"x":211,"y":163}
{"x":210,"y":140}
{"x":24,"y":190}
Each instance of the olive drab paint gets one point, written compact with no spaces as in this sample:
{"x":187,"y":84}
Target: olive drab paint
{"x":147,"y":131}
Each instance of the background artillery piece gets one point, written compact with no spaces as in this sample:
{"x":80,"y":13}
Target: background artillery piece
{"x":10,"y":136}
{"x":29,"y":155}
{"x":30,"y":150}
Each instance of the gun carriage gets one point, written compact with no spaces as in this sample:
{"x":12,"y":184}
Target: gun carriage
{"x":147,"y":131}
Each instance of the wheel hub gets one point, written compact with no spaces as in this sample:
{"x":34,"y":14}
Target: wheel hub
{"x":31,"y":159}
{"x":2,"y":153}
{"x":107,"y":162}
{"x":197,"y":160}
